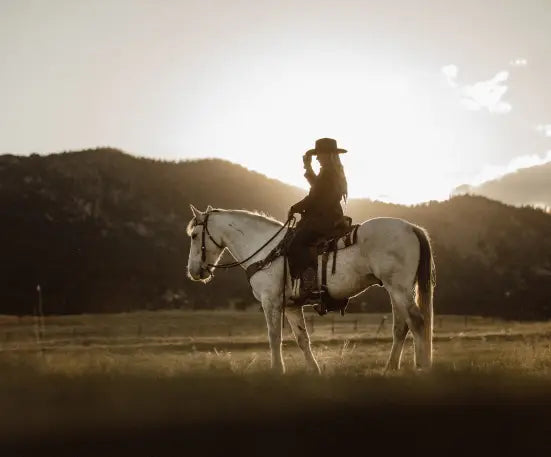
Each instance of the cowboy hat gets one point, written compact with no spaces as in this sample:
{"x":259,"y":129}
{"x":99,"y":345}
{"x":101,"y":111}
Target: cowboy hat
{"x":326,"y":145}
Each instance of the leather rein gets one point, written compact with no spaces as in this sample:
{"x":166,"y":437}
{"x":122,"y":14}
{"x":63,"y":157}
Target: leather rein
{"x":206,"y":233}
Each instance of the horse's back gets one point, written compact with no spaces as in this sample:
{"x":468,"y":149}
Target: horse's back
{"x":385,"y":226}
{"x":389,"y":243}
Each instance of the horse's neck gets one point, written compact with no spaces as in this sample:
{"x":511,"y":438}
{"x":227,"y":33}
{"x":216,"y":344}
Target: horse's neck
{"x":243,"y":234}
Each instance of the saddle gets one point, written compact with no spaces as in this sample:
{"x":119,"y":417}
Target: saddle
{"x":343,"y":235}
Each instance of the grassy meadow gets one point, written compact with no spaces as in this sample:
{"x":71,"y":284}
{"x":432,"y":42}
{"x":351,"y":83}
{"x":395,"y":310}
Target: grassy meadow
{"x":168,"y":343}
{"x":71,"y":377}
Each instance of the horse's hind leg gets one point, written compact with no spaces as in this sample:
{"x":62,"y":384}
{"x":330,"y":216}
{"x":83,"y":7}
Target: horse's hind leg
{"x":272,"y":312}
{"x":399,"y":332}
{"x":403,"y":303}
{"x":295,"y":317}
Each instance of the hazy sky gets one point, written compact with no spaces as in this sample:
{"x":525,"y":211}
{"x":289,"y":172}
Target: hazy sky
{"x":425,"y":95}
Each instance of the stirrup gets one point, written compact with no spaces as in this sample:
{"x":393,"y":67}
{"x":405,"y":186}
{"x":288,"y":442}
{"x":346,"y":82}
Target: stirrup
{"x":310,"y":297}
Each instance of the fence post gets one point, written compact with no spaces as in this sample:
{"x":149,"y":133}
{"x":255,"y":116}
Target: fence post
{"x":332,"y":326}
{"x":39,"y":319}
{"x":381,"y":325}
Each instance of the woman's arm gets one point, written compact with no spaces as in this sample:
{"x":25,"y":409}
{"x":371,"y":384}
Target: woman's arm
{"x":301,"y":206}
{"x":304,"y":205}
{"x":309,"y":174}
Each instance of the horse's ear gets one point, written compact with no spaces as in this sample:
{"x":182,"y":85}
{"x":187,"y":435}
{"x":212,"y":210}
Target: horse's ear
{"x":209,"y":209}
{"x":196,"y":213}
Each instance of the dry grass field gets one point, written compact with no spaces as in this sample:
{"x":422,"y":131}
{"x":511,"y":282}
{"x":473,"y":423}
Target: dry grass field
{"x":139,"y":379}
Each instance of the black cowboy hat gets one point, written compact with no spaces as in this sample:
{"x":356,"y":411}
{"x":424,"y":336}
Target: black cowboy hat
{"x":326,"y":145}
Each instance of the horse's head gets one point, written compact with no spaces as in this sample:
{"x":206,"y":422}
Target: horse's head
{"x":205,"y":250}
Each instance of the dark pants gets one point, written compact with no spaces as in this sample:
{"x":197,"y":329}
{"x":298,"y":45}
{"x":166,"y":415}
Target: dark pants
{"x":302,"y":253}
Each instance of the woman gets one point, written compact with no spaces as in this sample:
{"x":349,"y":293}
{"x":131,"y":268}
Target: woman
{"x":321,"y":211}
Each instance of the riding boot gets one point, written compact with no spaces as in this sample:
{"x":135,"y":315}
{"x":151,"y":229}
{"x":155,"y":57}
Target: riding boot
{"x":320,"y":308}
{"x":304,"y":288}
{"x":333,"y":304}
{"x":308,"y":282}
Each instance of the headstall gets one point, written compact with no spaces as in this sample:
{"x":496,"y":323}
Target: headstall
{"x":206,"y":232}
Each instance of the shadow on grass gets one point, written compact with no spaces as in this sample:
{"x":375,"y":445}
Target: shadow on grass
{"x":217,"y":411}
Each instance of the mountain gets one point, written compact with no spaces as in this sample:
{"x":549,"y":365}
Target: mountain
{"x":527,"y":186}
{"x":103,"y":231}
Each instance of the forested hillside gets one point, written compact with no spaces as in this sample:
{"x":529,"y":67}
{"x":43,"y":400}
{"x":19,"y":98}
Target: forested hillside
{"x":103,"y":231}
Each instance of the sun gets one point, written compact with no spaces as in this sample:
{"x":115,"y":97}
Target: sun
{"x":397,"y":152}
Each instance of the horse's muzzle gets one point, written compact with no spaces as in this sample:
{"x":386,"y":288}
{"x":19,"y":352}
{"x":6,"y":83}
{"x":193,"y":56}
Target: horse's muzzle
{"x":203,"y":274}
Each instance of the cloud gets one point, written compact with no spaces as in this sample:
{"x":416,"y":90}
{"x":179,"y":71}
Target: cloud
{"x":450,"y":72}
{"x":519,"y":62}
{"x":480,"y":95}
{"x":544,"y":129}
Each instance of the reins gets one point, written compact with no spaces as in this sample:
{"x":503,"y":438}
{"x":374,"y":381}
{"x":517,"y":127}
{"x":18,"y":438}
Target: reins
{"x":241,"y":262}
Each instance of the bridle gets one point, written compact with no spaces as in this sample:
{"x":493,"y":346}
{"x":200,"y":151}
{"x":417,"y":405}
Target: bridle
{"x":206,"y":233}
{"x":290,"y":222}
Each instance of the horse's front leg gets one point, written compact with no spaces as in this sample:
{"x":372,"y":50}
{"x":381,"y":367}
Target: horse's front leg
{"x":295,"y":317}
{"x":272,"y":312}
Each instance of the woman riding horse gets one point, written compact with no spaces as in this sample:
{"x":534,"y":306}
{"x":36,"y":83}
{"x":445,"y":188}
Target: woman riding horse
{"x":321,"y":213}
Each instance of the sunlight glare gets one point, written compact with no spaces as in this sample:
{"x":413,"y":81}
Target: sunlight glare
{"x":386,"y":123}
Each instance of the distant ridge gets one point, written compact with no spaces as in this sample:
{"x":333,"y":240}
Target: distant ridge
{"x":527,"y":186}
{"x":103,"y":231}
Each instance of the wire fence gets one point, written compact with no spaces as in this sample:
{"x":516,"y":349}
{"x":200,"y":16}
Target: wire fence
{"x":36,"y":328}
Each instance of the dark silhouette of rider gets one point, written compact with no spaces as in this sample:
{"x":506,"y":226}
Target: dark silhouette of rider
{"x":321,"y":211}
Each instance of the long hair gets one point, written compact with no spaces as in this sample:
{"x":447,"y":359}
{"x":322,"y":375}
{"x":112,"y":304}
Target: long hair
{"x":340,"y":177}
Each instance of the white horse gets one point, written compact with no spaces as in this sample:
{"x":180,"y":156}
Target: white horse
{"x":388,"y":251}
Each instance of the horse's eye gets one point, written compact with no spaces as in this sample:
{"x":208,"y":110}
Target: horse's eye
{"x":194,"y":236}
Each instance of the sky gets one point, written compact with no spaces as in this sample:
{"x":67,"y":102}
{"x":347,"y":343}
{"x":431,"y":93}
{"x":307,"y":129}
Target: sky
{"x":425,"y":95}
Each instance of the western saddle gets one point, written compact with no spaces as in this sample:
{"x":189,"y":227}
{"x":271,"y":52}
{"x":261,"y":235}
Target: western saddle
{"x":344,"y":235}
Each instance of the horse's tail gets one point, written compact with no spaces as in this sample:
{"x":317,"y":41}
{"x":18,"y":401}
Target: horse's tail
{"x":426,"y":280}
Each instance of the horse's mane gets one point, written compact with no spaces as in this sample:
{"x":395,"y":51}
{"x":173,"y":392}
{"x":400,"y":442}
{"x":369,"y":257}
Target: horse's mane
{"x":255,"y":214}
{"x":260,"y":215}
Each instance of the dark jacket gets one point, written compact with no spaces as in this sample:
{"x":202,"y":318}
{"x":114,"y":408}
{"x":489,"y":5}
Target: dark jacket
{"x":321,"y":209}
